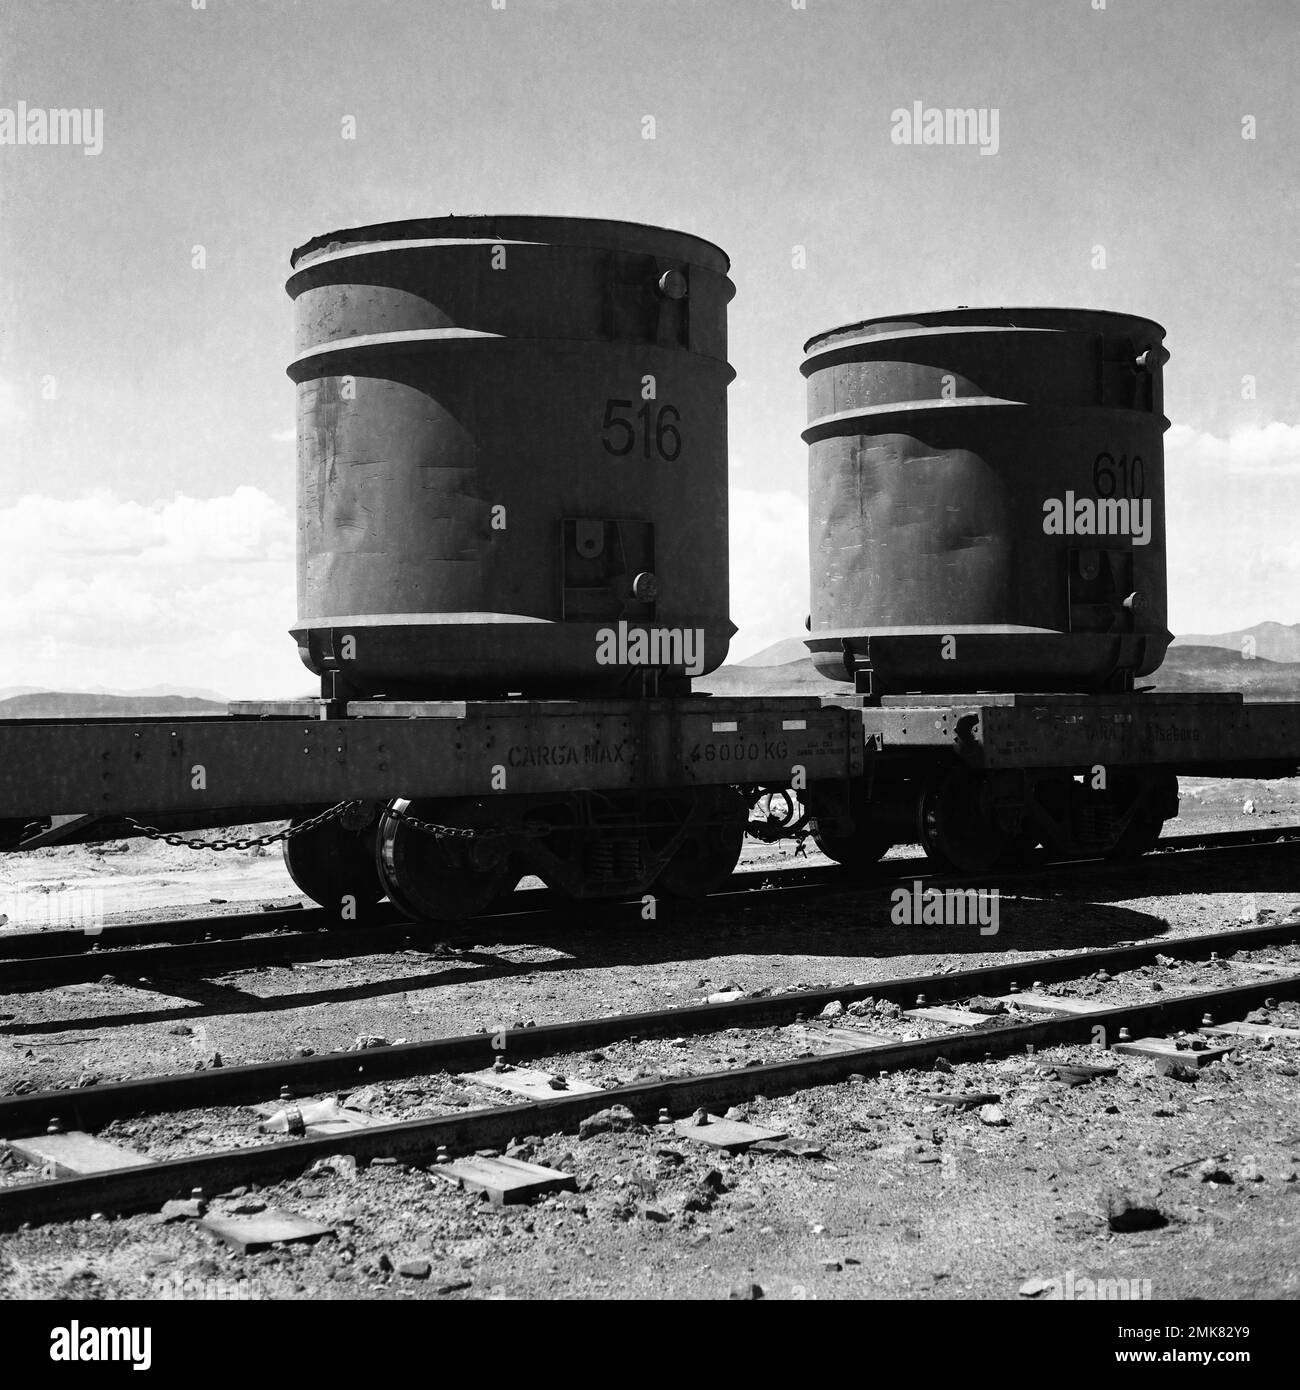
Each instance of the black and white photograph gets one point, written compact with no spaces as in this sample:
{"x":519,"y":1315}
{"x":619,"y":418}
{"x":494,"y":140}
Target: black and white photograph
{"x":649,"y":652}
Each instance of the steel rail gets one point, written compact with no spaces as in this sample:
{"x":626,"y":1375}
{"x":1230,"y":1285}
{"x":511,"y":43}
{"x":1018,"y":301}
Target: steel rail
{"x":390,"y":933}
{"x":107,"y":943}
{"x":90,"y":1107}
{"x":25,"y":945}
{"x":145,"y":962}
{"x":147,"y":1186}
{"x":104,"y":939}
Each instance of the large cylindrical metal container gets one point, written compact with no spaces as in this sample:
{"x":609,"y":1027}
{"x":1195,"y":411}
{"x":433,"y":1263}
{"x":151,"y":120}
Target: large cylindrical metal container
{"x":986,"y":501}
{"x":512,"y":456}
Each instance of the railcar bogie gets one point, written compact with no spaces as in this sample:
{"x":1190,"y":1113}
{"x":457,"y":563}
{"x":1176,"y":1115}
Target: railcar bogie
{"x":448,"y":858}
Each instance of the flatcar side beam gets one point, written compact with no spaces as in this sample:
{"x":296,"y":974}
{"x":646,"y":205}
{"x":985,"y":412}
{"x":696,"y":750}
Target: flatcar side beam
{"x":155,"y":767}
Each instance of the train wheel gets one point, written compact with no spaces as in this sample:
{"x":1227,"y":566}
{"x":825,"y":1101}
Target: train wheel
{"x":334,"y":864}
{"x":867,"y":840}
{"x":954,"y":827}
{"x":860,"y":851}
{"x":1159,"y":800}
{"x":706,"y":859}
{"x":433,"y":879}
{"x":1025,"y":851}
{"x":1139,"y":837}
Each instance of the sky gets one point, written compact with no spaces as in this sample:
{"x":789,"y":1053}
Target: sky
{"x":146,"y":422}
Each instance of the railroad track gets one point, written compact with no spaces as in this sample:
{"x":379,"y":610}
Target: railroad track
{"x":147,"y":1185}
{"x":305,"y":919}
{"x":71,"y":941}
{"x":319,"y":936}
{"x":25,"y":945}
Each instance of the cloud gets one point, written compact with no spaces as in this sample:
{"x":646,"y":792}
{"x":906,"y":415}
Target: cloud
{"x":1256,"y":449}
{"x":200,"y":591}
{"x":100,"y":590}
{"x":187,"y":591}
{"x":1231,"y":509}
{"x":769,"y":568}
{"x":246,"y":526}
{"x":13,"y":415}
{"x":284,"y":436}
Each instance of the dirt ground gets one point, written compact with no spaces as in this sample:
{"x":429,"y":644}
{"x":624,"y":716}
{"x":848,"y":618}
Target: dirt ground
{"x":907,"y":1200}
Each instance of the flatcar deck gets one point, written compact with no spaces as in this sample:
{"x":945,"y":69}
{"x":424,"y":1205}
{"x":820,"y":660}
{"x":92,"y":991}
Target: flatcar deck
{"x":607,"y":796}
{"x":1206,"y":734}
{"x":279,"y":754}
{"x":273,"y":755}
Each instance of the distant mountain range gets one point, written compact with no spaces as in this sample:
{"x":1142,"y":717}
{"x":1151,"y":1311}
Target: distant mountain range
{"x":778,"y":654}
{"x":1213,"y":664}
{"x":189,"y":692}
{"x":1272,"y":641}
{"x":1213,"y":668}
{"x":80,"y":704}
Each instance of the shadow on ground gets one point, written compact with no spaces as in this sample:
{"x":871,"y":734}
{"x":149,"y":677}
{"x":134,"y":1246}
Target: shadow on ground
{"x":850,"y":921}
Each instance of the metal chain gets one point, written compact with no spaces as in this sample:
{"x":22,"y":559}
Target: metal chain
{"x":153,"y":833}
{"x":433,"y":828}
{"x":530,"y":830}
{"x":444,"y":832}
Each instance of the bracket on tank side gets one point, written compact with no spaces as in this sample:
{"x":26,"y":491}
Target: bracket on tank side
{"x":858,"y":665}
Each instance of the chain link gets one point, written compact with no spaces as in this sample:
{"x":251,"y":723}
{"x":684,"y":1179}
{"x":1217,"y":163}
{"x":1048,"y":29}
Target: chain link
{"x":153,"y":833}
{"x":426,"y":827}
{"x":443,"y":832}
{"x":530,"y":830}
{"x":773,"y":828}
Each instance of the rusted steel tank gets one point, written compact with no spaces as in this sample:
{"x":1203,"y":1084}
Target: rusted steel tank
{"x":512,"y":456}
{"x":987,"y":501}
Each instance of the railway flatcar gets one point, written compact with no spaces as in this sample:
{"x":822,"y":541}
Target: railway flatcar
{"x":512,"y":566}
